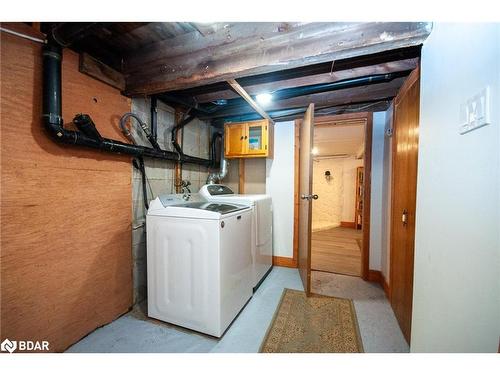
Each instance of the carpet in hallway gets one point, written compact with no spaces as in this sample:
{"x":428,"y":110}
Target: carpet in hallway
{"x":315,"y":324}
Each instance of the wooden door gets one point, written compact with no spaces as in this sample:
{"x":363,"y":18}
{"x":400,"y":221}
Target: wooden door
{"x":235,"y":139}
{"x":305,"y":195}
{"x":404,"y":172}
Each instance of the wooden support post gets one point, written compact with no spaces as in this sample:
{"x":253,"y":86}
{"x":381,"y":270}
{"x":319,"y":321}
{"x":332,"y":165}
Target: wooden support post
{"x":241,"y":174}
{"x":178,"y":165}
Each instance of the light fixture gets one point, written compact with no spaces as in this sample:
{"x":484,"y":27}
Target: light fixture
{"x":264,"y":98}
{"x":314,"y":151}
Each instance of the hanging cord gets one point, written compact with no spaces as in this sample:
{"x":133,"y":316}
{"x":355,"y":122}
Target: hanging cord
{"x":139,"y":164}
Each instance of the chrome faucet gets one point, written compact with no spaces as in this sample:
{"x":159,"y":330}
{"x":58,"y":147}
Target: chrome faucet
{"x":186,"y":192}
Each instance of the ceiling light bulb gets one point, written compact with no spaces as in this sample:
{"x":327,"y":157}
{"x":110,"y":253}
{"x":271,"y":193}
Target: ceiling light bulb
{"x":314,"y":151}
{"x":264,"y":98}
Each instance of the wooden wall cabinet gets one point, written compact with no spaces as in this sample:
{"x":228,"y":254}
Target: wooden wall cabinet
{"x":253,"y":139}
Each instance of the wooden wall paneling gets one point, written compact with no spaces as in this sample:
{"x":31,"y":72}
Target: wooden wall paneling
{"x":66,"y":212}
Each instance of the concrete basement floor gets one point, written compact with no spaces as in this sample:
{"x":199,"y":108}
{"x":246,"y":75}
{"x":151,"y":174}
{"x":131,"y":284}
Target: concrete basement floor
{"x":135,"y":333}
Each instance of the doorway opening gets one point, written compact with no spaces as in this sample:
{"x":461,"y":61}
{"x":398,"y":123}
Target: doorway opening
{"x":341,"y":165}
{"x":337,"y":214}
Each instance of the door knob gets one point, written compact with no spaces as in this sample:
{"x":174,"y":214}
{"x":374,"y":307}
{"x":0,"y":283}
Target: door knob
{"x":309,"y":197}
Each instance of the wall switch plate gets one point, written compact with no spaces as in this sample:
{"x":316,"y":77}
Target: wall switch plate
{"x":475,"y":112}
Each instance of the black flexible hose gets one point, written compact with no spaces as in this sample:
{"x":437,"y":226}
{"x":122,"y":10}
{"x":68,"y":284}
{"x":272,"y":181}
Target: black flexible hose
{"x":143,"y":126}
{"x":139,"y":164}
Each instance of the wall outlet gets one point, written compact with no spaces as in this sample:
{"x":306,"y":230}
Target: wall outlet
{"x":475,"y":112}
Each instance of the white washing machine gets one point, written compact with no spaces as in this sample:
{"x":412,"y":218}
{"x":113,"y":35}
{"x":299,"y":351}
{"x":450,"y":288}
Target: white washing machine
{"x":262,"y":224}
{"x":199,"y":262}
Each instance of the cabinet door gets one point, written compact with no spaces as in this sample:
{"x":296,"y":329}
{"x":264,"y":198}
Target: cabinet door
{"x":235,"y":139}
{"x":256,"y":138}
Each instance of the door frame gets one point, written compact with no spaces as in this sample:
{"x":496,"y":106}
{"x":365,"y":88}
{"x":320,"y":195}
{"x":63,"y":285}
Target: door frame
{"x":367,"y":163}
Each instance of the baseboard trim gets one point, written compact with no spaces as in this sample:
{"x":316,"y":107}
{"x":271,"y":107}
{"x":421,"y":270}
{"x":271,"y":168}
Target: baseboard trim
{"x":387,"y":290}
{"x":348,"y":224}
{"x":377,"y":277}
{"x":284,"y":262}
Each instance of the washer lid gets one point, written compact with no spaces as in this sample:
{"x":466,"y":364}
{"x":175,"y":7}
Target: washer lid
{"x":222,"y":208}
{"x":195,"y":210}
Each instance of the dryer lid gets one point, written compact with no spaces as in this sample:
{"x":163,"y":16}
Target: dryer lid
{"x":214,"y":190}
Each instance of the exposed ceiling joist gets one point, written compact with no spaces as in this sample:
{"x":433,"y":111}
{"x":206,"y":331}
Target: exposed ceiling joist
{"x":252,"y":103}
{"x":399,"y":59}
{"x":248,"y":49}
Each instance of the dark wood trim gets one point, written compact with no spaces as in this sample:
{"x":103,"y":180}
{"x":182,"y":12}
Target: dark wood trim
{"x":284,"y":262}
{"x":387,"y":289}
{"x":408,"y":83}
{"x":378,"y":277}
{"x":348,"y":224}
{"x":100,"y":71}
{"x":375,"y":276}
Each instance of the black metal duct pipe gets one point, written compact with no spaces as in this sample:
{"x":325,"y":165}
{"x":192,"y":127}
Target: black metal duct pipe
{"x":53,"y":122}
{"x":176,"y":129}
{"x":154,"y":118}
{"x":331,"y":86}
{"x":213,"y":152}
{"x":285,"y":113}
{"x":293,"y":92}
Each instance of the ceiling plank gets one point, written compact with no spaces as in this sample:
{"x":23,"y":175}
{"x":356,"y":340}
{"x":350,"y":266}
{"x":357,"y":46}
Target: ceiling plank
{"x":248,"y":49}
{"x":240,"y":90}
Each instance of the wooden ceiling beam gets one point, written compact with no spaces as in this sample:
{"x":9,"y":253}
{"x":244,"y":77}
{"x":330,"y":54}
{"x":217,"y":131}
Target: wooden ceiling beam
{"x":248,"y":49}
{"x":252,"y":103}
{"x":382,"y":58}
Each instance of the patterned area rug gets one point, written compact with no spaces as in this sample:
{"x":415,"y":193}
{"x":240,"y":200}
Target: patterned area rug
{"x":315,"y":324}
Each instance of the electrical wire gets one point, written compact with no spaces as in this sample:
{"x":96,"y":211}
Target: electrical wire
{"x":32,"y":38}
